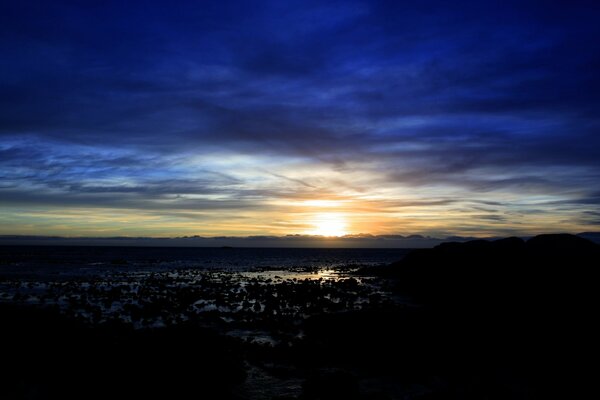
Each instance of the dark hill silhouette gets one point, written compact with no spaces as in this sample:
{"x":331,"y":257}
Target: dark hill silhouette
{"x":561,"y":242}
{"x":506,"y":270}
{"x":507,"y":313}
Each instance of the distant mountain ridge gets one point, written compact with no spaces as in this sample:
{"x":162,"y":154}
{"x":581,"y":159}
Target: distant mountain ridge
{"x":593,"y":236}
{"x":356,"y":240}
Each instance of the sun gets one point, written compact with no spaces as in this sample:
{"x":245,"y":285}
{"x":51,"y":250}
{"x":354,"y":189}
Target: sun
{"x":329,"y":224}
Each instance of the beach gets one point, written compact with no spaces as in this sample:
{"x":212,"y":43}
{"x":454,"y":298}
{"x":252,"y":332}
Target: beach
{"x":461,"y":320}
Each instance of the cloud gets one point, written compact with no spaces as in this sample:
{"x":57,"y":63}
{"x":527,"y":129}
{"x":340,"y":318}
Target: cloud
{"x":429,"y":105}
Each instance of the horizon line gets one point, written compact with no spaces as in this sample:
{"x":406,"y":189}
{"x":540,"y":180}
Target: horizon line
{"x":262,"y":241}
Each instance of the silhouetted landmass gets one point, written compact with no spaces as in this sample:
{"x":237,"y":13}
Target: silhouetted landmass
{"x":501,"y":272}
{"x":513,"y":318}
{"x":503,"y":319}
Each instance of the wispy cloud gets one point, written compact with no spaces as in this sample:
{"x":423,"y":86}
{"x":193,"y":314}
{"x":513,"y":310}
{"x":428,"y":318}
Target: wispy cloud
{"x":412,"y":113}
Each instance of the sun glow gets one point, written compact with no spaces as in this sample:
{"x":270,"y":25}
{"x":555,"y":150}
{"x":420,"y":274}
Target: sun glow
{"x":329,"y":224}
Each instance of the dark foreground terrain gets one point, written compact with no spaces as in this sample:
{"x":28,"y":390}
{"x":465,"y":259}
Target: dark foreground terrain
{"x":479,"y":320}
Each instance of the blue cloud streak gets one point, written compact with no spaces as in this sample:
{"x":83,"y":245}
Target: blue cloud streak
{"x":152,"y":106}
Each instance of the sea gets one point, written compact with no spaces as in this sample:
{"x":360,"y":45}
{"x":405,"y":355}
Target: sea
{"x":103,"y":284}
{"x":82,"y":260}
{"x":259,"y":299}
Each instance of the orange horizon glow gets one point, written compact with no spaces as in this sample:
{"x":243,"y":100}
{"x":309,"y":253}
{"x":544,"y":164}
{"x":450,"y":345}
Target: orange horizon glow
{"x":342,"y":215}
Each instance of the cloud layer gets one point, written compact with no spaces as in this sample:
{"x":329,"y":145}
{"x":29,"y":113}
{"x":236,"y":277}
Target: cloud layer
{"x":220,"y":118}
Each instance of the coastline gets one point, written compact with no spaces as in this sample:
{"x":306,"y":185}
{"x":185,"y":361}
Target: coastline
{"x":477,"y":318}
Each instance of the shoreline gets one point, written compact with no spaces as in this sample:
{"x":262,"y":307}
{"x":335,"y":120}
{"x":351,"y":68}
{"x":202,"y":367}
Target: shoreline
{"x":470,"y":318}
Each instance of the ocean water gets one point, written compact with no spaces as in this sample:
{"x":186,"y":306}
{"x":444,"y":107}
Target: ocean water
{"x":257,"y":298}
{"x":74,"y":260}
{"x":153,"y":287}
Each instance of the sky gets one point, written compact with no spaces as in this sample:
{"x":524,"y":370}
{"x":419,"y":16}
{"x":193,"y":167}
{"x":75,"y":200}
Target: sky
{"x":245,"y":118}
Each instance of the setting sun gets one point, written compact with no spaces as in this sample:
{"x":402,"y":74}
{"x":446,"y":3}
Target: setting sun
{"x":329,"y":224}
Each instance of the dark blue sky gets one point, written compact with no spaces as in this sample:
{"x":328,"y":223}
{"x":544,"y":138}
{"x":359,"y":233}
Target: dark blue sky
{"x":275,"y":117}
